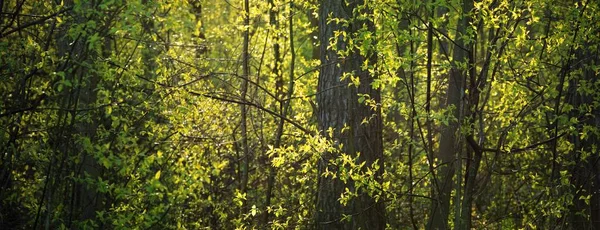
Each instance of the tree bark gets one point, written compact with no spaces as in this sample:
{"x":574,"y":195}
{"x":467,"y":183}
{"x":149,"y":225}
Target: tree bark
{"x":339,"y":107}
{"x":450,"y":151}
{"x":585,"y":171}
{"x":243,"y":109}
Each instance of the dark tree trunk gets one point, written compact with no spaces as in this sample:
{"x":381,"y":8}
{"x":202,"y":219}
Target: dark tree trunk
{"x":450,"y":150}
{"x":339,"y":107}
{"x":584,"y":156}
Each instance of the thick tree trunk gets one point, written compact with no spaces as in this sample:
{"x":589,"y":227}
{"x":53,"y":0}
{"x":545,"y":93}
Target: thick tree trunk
{"x":85,"y":200}
{"x":585,"y":170}
{"x":339,"y":107}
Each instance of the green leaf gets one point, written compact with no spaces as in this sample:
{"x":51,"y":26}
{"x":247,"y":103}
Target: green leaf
{"x":106,"y":162}
{"x":157,"y":175}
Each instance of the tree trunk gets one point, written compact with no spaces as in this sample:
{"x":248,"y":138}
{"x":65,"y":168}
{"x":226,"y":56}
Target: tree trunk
{"x":243,"y":108}
{"x":585,"y":169}
{"x":450,"y":151}
{"x":283,"y":103}
{"x":339,"y":107}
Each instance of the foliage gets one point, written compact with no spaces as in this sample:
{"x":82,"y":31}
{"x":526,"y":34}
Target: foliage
{"x":126,"y":114}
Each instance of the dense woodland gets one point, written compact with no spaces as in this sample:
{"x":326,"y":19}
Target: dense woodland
{"x":299,"y":114}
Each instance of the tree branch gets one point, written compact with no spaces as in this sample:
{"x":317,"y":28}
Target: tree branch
{"x":473,"y":144}
{"x":32,"y":23}
{"x":303,"y":129}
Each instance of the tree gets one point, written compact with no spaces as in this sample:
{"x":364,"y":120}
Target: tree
{"x":451,"y":141}
{"x":217,"y":114}
{"x":348,"y":114}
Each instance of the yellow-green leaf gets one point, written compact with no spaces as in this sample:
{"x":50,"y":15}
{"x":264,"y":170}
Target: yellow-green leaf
{"x":157,"y":175}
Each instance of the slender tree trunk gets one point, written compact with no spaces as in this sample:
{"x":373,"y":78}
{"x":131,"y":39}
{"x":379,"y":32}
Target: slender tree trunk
{"x":411,"y":123}
{"x":284,"y":100}
{"x":450,"y":152}
{"x":398,"y":119}
{"x":474,"y":156}
{"x":279,"y":91}
{"x":243,"y":108}
{"x":339,"y":107}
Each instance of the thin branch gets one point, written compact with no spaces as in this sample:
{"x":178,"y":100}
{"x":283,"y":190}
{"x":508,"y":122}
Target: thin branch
{"x":303,"y":129}
{"x":477,"y":148}
{"x":33,"y":23}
